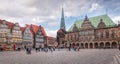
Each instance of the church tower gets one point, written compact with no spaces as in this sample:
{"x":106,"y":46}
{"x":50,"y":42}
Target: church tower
{"x":62,"y":31}
{"x":62,"y":24}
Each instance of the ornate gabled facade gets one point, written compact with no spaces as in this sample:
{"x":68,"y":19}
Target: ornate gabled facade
{"x":16,"y":36}
{"x":86,"y":24}
{"x":28,"y":37}
{"x":40,"y":37}
{"x":95,"y":32}
{"x":101,"y":24}
{"x":4,"y":36}
{"x":11,"y":36}
{"x":75,"y":28}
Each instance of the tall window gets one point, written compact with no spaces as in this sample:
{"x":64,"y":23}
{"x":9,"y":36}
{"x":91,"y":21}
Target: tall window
{"x":71,"y":37}
{"x":96,"y":35}
{"x":107,"y":34}
{"x":78,"y":37}
{"x":101,"y":35}
{"x":74,"y":36}
{"x":113,"y":34}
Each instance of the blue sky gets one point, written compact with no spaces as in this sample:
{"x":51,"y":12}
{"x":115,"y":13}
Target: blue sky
{"x":48,"y":12}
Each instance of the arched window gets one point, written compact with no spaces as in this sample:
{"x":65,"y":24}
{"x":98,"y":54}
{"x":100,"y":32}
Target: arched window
{"x":96,"y":35}
{"x":107,"y":34}
{"x":113,"y":34}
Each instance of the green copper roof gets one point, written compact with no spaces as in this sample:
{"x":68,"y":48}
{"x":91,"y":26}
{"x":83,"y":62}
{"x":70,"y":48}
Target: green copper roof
{"x":95,"y":21}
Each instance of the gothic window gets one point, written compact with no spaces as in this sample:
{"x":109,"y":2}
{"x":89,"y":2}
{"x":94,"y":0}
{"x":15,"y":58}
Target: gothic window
{"x":113,"y":34}
{"x":107,"y":34}
{"x":101,"y":35}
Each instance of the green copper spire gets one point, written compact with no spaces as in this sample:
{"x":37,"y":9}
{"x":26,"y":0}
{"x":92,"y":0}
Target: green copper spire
{"x":62,"y":25}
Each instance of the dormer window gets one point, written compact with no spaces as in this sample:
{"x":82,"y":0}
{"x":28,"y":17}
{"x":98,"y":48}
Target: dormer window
{"x":101,"y":24}
{"x":75,"y":29}
{"x":4,"y":22}
{"x":16,"y":24}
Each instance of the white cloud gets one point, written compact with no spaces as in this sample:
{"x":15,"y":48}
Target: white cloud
{"x":116,"y":19}
{"x":51,"y":24}
{"x":51,"y":33}
{"x":94,"y":6}
{"x":44,"y":12}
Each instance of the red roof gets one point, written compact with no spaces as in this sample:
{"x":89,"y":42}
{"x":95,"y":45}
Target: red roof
{"x":22,"y":29}
{"x":35,"y":28}
{"x":29,"y":26}
{"x":10,"y":24}
{"x":43,"y":31}
{"x":0,"y":21}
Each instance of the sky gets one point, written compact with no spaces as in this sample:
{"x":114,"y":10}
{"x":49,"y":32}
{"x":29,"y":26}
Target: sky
{"x":48,"y":12}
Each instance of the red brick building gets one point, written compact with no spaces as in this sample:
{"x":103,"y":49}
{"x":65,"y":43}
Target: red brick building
{"x":51,"y":41}
{"x":95,"y":32}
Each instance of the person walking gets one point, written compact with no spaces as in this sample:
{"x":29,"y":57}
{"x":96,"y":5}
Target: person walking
{"x":28,"y":50}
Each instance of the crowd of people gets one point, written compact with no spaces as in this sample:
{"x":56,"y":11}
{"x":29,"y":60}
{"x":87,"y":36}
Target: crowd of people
{"x":50,"y":48}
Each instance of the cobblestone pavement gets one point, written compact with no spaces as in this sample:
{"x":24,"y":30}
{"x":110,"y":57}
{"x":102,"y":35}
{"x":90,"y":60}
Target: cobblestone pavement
{"x":84,"y":56}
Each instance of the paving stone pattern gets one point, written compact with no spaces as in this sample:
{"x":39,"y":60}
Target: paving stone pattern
{"x":84,"y":56}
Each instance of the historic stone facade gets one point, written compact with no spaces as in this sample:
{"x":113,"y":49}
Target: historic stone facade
{"x":28,"y":39}
{"x":61,"y":32}
{"x":16,"y":36}
{"x":51,"y":41}
{"x":4,"y":33}
{"x":96,"y":32}
{"x":13,"y":36}
{"x":40,"y":37}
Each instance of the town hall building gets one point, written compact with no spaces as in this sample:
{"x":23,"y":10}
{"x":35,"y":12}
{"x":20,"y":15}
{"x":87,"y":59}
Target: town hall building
{"x":95,"y":32}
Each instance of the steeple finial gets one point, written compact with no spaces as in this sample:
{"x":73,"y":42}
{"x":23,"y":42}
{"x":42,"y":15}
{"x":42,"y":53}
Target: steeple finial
{"x":62,"y":25}
{"x":62,"y":16}
{"x":86,"y":18}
